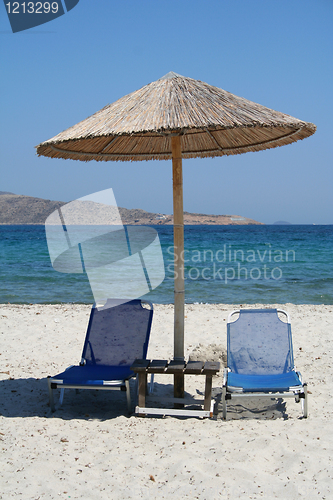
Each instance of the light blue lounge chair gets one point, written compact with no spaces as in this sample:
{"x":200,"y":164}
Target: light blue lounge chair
{"x":260,"y":358}
{"x":117,"y":334}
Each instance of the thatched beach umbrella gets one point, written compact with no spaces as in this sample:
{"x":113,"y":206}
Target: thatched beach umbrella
{"x":174,"y":118}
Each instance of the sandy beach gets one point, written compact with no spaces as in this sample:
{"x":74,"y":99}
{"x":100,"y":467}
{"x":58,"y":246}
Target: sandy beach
{"x":91,"y":449}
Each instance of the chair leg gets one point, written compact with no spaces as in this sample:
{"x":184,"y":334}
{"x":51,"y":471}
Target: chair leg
{"x":51,"y":395}
{"x":128,"y":396}
{"x":217,"y":403}
{"x":61,"y":397}
{"x":224,"y":402}
{"x":305,"y":401}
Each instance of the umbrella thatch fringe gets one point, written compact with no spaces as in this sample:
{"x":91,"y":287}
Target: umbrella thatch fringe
{"x":211,"y":121}
{"x":210,"y":145}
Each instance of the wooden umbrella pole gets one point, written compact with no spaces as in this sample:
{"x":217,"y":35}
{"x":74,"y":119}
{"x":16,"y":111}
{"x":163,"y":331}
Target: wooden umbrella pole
{"x":178,"y":236}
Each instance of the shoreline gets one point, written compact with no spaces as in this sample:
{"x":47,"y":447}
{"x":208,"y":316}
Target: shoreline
{"x":90,"y":446}
{"x":185,"y":224}
{"x":266,"y":305}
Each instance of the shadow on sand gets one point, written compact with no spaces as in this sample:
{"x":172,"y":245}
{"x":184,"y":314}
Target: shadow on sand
{"x":29,"y":398}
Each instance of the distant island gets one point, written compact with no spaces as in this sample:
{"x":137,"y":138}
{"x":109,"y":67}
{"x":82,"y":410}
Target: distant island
{"x":20,"y":209}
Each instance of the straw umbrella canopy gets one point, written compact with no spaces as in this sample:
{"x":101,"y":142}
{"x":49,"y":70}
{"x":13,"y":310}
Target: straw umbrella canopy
{"x":173,"y":118}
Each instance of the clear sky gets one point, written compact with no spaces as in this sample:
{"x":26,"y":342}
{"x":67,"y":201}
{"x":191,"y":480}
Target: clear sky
{"x":277,"y":53}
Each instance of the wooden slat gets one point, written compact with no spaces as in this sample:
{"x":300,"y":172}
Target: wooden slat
{"x":175,"y":366}
{"x":140,"y":365}
{"x":157,"y":366}
{"x":211,"y":367}
{"x":194,"y":367}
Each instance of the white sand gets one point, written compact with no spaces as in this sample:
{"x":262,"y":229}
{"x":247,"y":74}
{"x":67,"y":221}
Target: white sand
{"x":90,"y":448}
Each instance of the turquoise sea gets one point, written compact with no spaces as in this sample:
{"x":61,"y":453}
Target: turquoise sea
{"x":223,"y":264}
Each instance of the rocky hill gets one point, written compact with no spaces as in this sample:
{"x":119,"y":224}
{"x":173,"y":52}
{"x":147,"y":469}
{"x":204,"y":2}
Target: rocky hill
{"x":19,"y":209}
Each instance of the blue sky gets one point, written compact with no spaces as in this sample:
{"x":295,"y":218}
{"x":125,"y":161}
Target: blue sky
{"x":277,"y":53}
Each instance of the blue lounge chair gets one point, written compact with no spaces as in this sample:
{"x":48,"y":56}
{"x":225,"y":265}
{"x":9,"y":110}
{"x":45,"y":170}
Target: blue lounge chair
{"x":260,"y":358}
{"x":117,"y":334}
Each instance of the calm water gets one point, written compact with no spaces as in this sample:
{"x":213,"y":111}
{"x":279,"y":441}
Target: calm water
{"x":224,"y":264}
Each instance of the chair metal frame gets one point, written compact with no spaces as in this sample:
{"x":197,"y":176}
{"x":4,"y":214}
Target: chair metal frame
{"x":298,"y":392}
{"x":107,"y":385}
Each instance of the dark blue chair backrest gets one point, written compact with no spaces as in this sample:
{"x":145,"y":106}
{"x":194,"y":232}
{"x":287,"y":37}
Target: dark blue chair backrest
{"x":117,"y":334}
{"x":259,"y":343}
